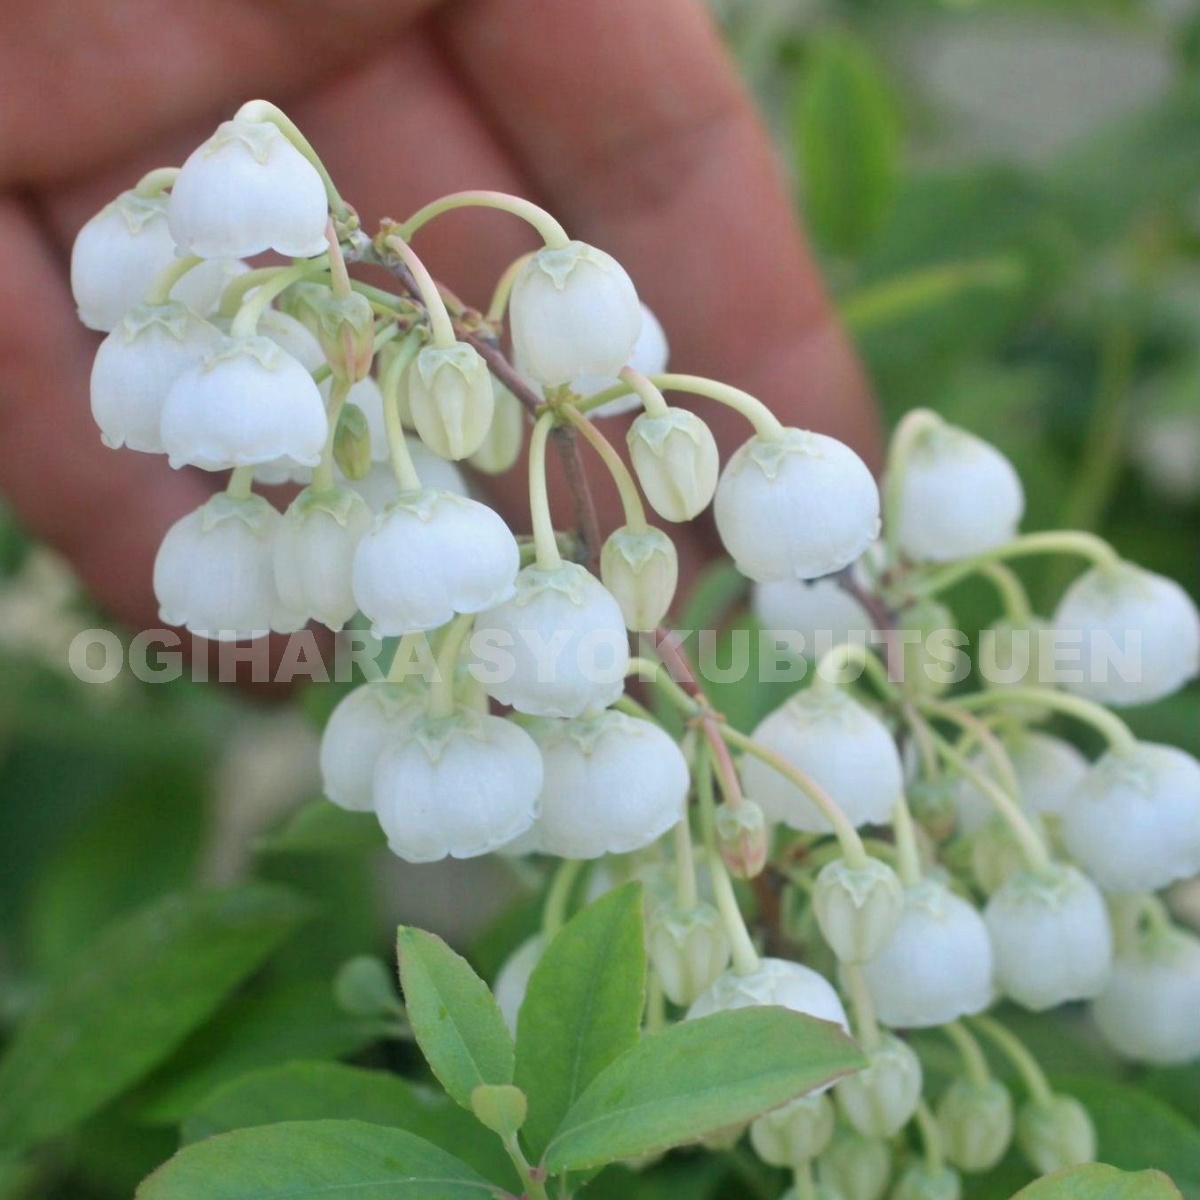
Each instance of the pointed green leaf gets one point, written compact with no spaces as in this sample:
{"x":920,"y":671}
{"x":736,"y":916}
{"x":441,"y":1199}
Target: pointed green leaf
{"x":582,"y":1009}
{"x":130,"y":998}
{"x":453,"y":1015}
{"x":1099,"y":1182}
{"x":695,"y":1078}
{"x":298,"y":1160}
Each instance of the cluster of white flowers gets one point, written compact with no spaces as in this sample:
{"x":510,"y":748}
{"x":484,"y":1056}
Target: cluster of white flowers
{"x":368,"y":398}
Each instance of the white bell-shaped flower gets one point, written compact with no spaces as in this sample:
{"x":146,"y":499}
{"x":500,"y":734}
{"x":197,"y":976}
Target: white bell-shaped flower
{"x":648,"y":357}
{"x":460,"y":786}
{"x":676,"y":460}
{"x":245,"y":190}
{"x":776,"y":982}
{"x":215,"y":573}
{"x":1051,"y":938}
{"x":843,"y":746}
{"x":1140,"y":635}
{"x":431,"y":554}
{"x":574,"y":311}
{"x":512,"y":982}
{"x":1133,"y":822}
{"x":135,"y":367}
{"x":118,"y":253}
{"x":1048,"y":769}
{"x":880,"y":1100}
{"x":380,"y":489}
{"x":451,"y":399}
{"x":795,"y":507}
{"x":959,"y":496}
{"x":557,"y":648}
{"x":246,"y":402}
{"x":938,"y":965}
{"x":613,"y":784}
{"x":641,"y":569}
{"x":820,"y":612}
{"x":314,"y":552}
{"x":1148,"y":1011}
{"x":358,"y":729}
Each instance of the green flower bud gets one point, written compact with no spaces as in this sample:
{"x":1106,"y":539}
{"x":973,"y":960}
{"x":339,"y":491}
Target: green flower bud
{"x":932,"y":804}
{"x":677,"y":463}
{"x":641,"y":568}
{"x":996,"y":855}
{"x":450,"y":398}
{"x":1056,"y":1134}
{"x":976,"y":1120}
{"x":795,"y":1133}
{"x":856,"y":1167}
{"x":742,"y":838}
{"x":502,"y":446}
{"x":352,"y":443}
{"x":920,"y":1183}
{"x":500,"y":1107}
{"x":363,"y":987}
{"x":927,"y":670}
{"x":346,"y":330}
{"x":303,"y":301}
{"x":688,"y":948}
{"x":880,"y":1099}
{"x":858,"y":908}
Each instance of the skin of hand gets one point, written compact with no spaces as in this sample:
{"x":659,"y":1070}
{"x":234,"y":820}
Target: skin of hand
{"x":625,"y":118}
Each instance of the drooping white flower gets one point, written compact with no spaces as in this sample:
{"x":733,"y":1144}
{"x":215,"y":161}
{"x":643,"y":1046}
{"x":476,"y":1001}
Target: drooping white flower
{"x":460,"y":786}
{"x":1051,"y":939}
{"x":246,"y":402}
{"x":1148,"y":1011}
{"x":1047,"y":769}
{"x":613,"y":784}
{"x":776,"y":982}
{"x":513,"y":980}
{"x":574,"y":311}
{"x":641,"y":569}
{"x":314,"y":551}
{"x":976,"y":1122}
{"x":958,"y":497}
{"x":118,"y":253}
{"x":938,"y":965}
{"x":821,"y":612}
{"x":843,"y":746}
{"x":676,"y":460}
{"x":1140,"y":635}
{"x":358,"y":729}
{"x":648,"y":357}
{"x":1133,"y":821}
{"x":214,"y":573}
{"x":795,"y":507}
{"x":380,"y":489}
{"x":135,"y":367}
{"x":501,"y":446}
{"x":557,"y":648}
{"x":245,"y":190}
{"x":880,"y":1100}
{"x":431,"y":554}
{"x":450,"y":398}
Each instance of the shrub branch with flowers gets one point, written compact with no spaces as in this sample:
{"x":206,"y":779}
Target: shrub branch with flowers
{"x":927,"y":852}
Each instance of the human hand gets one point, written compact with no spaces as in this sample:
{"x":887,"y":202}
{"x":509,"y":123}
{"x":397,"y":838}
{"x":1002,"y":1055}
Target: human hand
{"x":624,"y":118}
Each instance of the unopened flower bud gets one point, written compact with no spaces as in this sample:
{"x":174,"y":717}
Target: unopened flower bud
{"x":450,"y":398}
{"x":856,"y":1167}
{"x":501,"y":447}
{"x":345,"y":327}
{"x":1056,"y":1134}
{"x":920,"y":1182}
{"x":880,"y":1099}
{"x":795,"y":1133}
{"x":932,"y":802}
{"x":641,"y":568}
{"x":352,"y":443}
{"x":363,"y":987}
{"x":1011,"y":655}
{"x":996,"y":853}
{"x":688,"y":948}
{"x":858,"y":908}
{"x":928,"y":658}
{"x":976,"y":1120}
{"x":743,"y":838}
{"x":500,"y":1107}
{"x":677,"y":462}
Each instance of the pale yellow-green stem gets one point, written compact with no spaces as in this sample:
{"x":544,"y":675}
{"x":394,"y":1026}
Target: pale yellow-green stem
{"x":866,"y":1026}
{"x":245,"y":324}
{"x":931,"y":1138}
{"x":1026,"y":1065}
{"x":847,"y":654}
{"x":631,"y":501}
{"x":403,"y":468}
{"x":545,"y":542}
{"x":551,"y":232}
{"x":159,"y":291}
{"x":988,"y":742}
{"x":441,"y":690}
{"x":652,"y":399}
{"x":974,"y":1061}
{"x":155,"y":182}
{"x":440,"y":325}
{"x":908,"y":857}
{"x":323,"y":481}
{"x":1013,"y":596}
{"x":240,"y":485}
{"x":1118,"y":735}
{"x":766,"y":424}
{"x":503,"y":289}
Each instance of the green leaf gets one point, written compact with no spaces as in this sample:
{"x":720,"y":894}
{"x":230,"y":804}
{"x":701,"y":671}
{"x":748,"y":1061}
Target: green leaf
{"x":453,"y":1015}
{"x":313,"y":1091}
{"x":130,"y":999}
{"x":323,"y":828}
{"x":695,"y":1078}
{"x":849,"y":142}
{"x":582,"y":1009}
{"x":335,"y":1160}
{"x":1099,"y":1182}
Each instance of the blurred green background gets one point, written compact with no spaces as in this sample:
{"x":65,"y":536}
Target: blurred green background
{"x":1006,"y":200}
